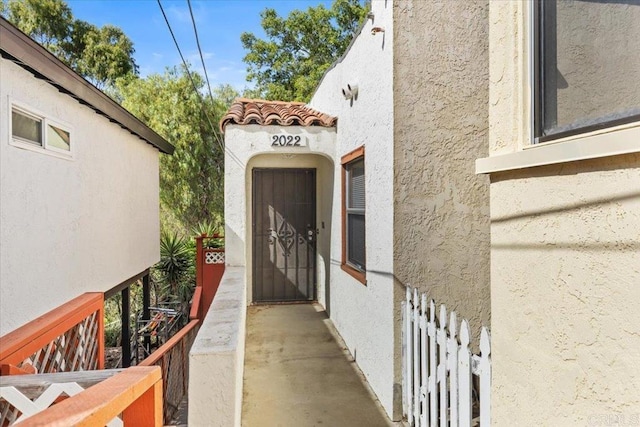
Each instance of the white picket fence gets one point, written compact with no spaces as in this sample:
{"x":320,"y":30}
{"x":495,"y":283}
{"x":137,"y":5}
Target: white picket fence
{"x":438,"y":369}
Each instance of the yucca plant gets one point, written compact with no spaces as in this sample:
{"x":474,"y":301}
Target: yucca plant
{"x":176,"y":261}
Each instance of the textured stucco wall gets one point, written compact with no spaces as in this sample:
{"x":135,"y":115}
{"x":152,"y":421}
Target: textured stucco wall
{"x":441,"y":87}
{"x":364,"y":315}
{"x":70,"y":226}
{"x":565,"y":289}
{"x":509,"y":95}
{"x":565,"y":265}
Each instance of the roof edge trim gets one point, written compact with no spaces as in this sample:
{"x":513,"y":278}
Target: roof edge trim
{"x":44,"y":64}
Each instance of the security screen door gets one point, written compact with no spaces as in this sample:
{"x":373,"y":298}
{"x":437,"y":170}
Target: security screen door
{"x":284,"y":235}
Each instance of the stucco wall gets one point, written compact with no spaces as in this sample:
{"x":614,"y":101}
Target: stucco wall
{"x":248,"y":147}
{"x":70,"y":226}
{"x":564,"y":264}
{"x":216,"y":359}
{"x":364,"y":315}
{"x":441,"y":221}
{"x":565,"y":291}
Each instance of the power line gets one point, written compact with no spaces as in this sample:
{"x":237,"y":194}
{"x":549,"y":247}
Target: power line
{"x":204,"y":67}
{"x":193,"y":83}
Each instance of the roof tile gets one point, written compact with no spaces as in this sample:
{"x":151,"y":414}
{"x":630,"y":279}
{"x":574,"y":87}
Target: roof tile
{"x":245,"y":111}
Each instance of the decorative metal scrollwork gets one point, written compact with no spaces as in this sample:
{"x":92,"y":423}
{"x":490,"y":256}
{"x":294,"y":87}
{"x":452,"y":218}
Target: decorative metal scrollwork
{"x":284,"y":236}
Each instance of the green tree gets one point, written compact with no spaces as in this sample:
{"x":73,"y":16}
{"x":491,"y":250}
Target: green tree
{"x":191,"y":181}
{"x":298,"y":49}
{"x":101,"y":55}
{"x":46,"y":21}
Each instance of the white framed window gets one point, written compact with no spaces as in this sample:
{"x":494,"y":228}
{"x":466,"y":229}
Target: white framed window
{"x":586,"y":66}
{"x":35,"y":131}
{"x":576,"y":64}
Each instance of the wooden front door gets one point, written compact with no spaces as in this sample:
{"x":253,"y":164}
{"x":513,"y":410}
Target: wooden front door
{"x":284,"y":235}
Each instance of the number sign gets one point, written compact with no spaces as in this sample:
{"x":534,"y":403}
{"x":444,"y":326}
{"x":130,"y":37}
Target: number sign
{"x":288,"y":141}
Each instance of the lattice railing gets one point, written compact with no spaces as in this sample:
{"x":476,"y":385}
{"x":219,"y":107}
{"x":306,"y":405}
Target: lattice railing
{"x":132,"y":397}
{"x":22,"y":396}
{"x":68,"y":338}
{"x":213,"y":256}
{"x":74,"y":350}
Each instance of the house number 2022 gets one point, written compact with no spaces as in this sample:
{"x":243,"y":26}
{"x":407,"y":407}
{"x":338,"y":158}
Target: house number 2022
{"x":285,"y":141}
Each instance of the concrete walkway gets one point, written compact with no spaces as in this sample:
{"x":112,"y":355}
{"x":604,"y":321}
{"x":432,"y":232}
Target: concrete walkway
{"x":296,"y":373}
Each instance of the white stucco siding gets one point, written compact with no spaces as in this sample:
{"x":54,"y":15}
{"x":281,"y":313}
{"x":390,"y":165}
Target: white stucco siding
{"x":70,"y":226}
{"x":364,"y":315}
{"x":249,"y":147}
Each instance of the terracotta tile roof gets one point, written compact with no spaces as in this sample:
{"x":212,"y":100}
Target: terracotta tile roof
{"x":245,"y":111}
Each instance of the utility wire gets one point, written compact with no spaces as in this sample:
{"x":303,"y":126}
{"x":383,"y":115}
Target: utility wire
{"x":204,"y":67}
{"x":193,"y":83}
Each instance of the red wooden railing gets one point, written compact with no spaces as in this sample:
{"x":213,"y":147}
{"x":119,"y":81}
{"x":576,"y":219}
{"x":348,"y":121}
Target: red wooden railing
{"x":210,"y":264}
{"x":136,"y":393}
{"x":68,"y":338}
{"x":74,"y":333}
{"x":196,"y":304}
{"x":173,"y":359}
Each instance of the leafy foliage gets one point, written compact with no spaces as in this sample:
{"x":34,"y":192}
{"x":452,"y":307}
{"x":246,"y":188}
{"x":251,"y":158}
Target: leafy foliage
{"x":99,"y":54}
{"x":290,"y":62}
{"x":191,"y":181}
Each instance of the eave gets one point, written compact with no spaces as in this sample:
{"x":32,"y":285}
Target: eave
{"x":19,"y":48}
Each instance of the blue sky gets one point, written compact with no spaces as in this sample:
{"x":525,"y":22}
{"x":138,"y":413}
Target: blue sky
{"x":219,"y":22}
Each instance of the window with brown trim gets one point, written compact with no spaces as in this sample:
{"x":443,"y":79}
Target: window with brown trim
{"x":354,"y":214}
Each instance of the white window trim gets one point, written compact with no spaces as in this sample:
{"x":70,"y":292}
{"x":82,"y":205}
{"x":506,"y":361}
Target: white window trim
{"x":46,"y":121}
{"x":607,"y":142}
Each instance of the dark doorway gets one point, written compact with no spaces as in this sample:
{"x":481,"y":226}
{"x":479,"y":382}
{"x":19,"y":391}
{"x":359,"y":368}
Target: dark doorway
{"x":284,"y":235}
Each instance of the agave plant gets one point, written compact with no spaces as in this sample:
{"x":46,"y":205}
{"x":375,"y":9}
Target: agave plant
{"x":209,"y":228}
{"x":206,"y":228}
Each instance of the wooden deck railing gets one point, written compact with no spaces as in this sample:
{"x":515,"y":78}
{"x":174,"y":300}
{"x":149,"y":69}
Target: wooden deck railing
{"x":68,"y":338}
{"x":210,"y":264}
{"x":136,"y":393}
{"x":196,"y":305}
{"x":71,"y":338}
{"x":173,"y":359}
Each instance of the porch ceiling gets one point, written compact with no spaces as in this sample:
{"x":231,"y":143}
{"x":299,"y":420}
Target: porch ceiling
{"x":245,"y":111}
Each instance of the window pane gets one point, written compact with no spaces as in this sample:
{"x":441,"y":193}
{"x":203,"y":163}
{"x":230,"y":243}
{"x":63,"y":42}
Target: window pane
{"x":26,"y":128}
{"x":356,"y":184}
{"x":58,"y":138}
{"x":591,"y":62}
{"x":355,"y":240}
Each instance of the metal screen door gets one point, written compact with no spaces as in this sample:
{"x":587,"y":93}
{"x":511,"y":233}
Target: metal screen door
{"x":284,"y":235}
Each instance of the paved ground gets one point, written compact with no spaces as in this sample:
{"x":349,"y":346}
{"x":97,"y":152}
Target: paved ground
{"x":297,"y":375}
